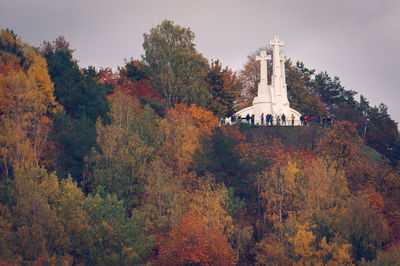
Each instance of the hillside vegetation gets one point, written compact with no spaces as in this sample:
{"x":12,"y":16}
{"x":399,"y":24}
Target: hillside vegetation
{"x":132,"y":167}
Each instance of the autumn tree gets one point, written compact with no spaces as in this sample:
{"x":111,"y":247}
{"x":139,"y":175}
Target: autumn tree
{"x":193,"y":242}
{"x":278,"y":190}
{"x":363,"y":228}
{"x":269,"y":251}
{"x":27,"y":103}
{"x":322,"y":187}
{"x":123,"y":148}
{"x":37,"y":227}
{"x":309,"y":252}
{"x":249,"y":78}
{"x":180,"y":133}
{"x":208,"y":202}
{"x":165,"y":198}
{"x":175,"y":67}
{"x":133,"y":80}
{"x":341,"y":144}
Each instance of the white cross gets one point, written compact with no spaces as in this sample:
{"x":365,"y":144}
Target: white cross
{"x":276,"y":42}
{"x":283,"y":56}
{"x":263,"y":65}
{"x":263,"y":56}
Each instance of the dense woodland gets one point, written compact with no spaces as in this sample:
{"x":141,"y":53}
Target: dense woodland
{"x":130,"y":167}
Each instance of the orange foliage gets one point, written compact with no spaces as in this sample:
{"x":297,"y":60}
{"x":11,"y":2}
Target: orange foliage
{"x":193,"y":243}
{"x":341,"y":144}
{"x":375,"y":201}
{"x":202,"y":118}
{"x":181,"y":130}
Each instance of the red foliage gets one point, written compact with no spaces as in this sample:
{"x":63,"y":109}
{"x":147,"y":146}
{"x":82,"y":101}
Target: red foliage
{"x":193,"y":243}
{"x":132,"y":88}
{"x":375,"y":201}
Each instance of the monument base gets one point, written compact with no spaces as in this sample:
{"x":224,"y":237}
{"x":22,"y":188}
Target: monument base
{"x":263,"y":106}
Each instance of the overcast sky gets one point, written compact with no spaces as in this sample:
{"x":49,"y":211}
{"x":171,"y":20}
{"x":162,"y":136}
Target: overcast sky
{"x":356,"y":40}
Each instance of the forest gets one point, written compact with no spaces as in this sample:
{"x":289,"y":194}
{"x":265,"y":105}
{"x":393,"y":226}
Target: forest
{"x":132,"y":166}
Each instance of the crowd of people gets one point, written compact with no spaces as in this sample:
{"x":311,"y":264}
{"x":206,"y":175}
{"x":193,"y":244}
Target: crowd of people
{"x":280,"y":120}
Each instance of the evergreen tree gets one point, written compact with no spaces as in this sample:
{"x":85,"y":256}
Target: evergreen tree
{"x":221,"y":85}
{"x":84,"y":100}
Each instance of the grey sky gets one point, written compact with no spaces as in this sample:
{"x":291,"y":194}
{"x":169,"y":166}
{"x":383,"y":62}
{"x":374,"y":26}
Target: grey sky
{"x":356,"y":40}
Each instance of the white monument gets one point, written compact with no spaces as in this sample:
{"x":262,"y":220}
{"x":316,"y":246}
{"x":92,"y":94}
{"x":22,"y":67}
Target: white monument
{"x":271,"y":99}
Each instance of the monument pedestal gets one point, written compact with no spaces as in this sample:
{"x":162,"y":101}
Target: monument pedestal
{"x":261,"y":105}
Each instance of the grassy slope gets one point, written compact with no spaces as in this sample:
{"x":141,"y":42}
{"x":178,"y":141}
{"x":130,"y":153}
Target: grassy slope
{"x":300,"y":137}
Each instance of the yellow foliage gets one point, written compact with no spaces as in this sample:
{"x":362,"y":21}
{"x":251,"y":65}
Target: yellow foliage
{"x":181,"y":130}
{"x":278,"y":189}
{"x":39,"y":75}
{"x":165,"y":198}
{"x":308,"y":252}
{"x":27,"y":104}
{"x":208,"y":202}
{"x":322,"y":186}
{"x":303,"y":242}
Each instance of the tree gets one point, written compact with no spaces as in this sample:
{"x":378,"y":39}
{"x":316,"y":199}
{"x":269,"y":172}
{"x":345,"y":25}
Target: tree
{"x":223,"y":87}
{"x":115,"y":237}
{"x":269,"y":251}
{"x":133,"y":81}
{"x":176,"y":69}
{"x":341,"y":144}
{"x":192,"y":242}
{"x":119,"y":160}
{"x":37,"y":227}
{"x":27,"y":103}
{"x":73,"y":217}
{"x":83,"y":97}
{"x":134,"y":70}
{"x":165,"y":198}
{"x":277,"y":191}
{"x":220,"y":156}
{"x":301,"y":90}
{"x":249,"y":77}
{"x":322,"y":187}
{"x":331,"y":91}
{"x":389,"y":143}
{"x":180,"y":132}
{"x":208,"y":202}
{"x":308,"y":252}
{"x":363,"y":228}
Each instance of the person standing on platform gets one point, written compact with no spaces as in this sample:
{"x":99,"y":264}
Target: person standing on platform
{"x":293,"y":119}
{"x":278,"y":120}
{"x":262,"y":119}
{"x":248,"y":119}
{"x":283,"y":119}
{"x":233,"y":119}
